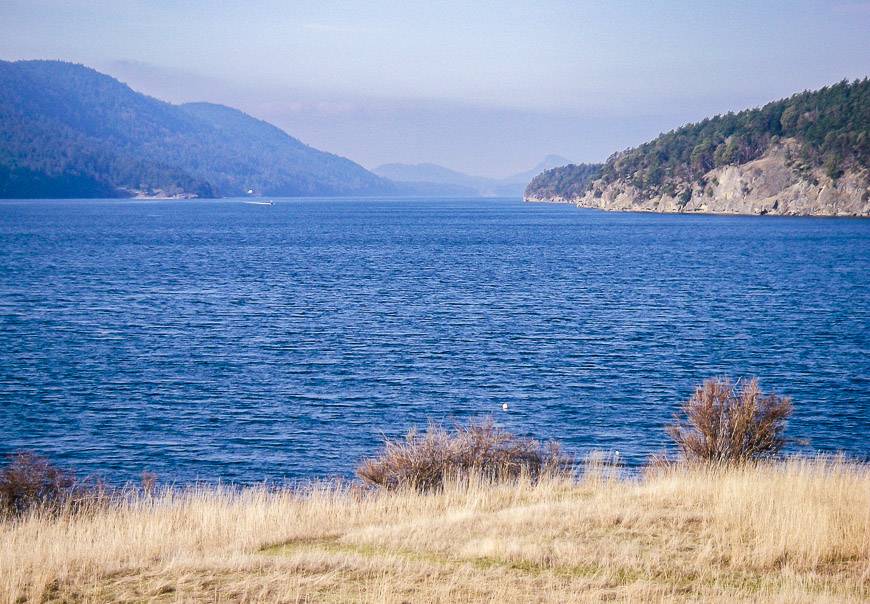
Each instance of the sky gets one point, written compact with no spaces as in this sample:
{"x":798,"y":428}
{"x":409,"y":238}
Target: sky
{"x":487,"y":88}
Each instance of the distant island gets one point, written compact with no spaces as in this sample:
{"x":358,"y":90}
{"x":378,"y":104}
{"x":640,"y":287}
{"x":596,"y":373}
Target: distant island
{"x":805,"y":155}
{"x":68,"y":131}
{"x":444,"y":181}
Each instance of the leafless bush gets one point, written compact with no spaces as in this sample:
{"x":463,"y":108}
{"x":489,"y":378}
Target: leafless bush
{"x":424,"y":461}
{"x":658,"y":464}
{"x":601,"y":467}
{"x":724,"y":422}
{"x":29,"y":481}
{"x":148,"y":482}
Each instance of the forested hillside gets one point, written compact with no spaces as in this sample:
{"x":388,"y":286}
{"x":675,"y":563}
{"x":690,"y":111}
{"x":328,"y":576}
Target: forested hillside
{"x":69,"y":131}
{"x":818,"y":136}
{"x":564,"y":182}
{"x":832,"y":125}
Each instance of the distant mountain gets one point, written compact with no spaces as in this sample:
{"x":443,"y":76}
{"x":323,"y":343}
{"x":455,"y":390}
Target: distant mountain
{"x":430,"y":173}
{"x":434,"y":189}
{"x":548,"y":163}
{"x":69,"y":131}
{"x":807,"y":154}
{"x":440,"y":179}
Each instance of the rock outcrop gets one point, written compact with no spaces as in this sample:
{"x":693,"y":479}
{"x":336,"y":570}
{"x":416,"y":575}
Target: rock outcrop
{"x":807,"y":155}
{"x":768,"y":185}
{"x":763,"y":186}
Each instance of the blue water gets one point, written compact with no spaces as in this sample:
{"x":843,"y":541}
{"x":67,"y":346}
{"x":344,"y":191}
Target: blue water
{"x":222,"y":340}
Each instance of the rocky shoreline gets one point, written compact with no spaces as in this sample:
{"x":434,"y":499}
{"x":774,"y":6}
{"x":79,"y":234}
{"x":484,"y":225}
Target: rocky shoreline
{"x":766,"y":186}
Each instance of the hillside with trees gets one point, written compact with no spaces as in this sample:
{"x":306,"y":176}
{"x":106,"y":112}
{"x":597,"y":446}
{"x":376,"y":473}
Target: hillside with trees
{"x":564,"y":182}
{"x":805,"y":154}
{"x":69,"y":131}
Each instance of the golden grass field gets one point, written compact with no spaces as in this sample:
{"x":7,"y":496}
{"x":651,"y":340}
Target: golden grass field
{"x":795,"y":531}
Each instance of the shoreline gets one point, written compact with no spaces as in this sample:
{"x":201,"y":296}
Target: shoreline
{"x":641,"y":210}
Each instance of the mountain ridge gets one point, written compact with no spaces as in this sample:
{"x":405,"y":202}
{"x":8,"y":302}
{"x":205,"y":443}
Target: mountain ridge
{"x":67,"y":130}
{"x":437,"y":175}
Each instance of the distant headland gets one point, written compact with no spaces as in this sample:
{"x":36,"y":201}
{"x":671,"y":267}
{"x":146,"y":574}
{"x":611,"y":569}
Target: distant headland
{"x":805,"y":155}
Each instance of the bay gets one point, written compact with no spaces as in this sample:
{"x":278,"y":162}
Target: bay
{"x":220,"y":340}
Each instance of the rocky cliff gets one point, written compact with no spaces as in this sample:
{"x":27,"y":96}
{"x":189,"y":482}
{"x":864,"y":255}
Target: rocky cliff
{"x":767,"y":185}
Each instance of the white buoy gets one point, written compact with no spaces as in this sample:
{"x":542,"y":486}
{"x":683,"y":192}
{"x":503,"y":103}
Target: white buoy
{"x":504,"y":406}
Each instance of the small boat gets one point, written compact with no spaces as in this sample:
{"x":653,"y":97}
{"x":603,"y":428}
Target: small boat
{"x":259,"y":203}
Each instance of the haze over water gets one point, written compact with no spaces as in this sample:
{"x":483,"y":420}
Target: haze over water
{"x":225,"y":341}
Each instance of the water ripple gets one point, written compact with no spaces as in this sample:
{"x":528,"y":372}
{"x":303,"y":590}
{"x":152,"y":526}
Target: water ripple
{"x":218,"y":340}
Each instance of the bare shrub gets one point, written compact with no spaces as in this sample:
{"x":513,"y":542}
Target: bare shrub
{"x":724,"y":422}
{"x":424,"y":461}
{"x":148,"y":482}
{"x":599,"y":467}
{"x":658,"y":464}
{"x":29,"y":481}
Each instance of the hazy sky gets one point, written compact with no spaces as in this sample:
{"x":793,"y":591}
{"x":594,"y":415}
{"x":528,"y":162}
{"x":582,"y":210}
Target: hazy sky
{"x":484,"y":87}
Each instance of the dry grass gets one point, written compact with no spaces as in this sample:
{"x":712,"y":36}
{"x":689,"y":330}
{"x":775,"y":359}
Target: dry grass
{"x":794,"y":531}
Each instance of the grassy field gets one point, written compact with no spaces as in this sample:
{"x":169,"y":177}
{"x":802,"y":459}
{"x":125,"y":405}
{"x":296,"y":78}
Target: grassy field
{"x":796,"y":531}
